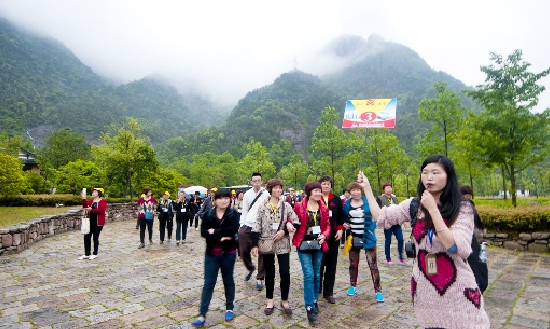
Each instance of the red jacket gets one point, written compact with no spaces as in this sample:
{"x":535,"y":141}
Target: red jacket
{"x":100,"y":211}
{"x":300,"y":208}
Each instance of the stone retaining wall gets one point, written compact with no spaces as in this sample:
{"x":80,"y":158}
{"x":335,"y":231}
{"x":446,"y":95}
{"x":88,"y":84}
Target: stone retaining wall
{"x":535,"y":242}
{"x":18,"y":238}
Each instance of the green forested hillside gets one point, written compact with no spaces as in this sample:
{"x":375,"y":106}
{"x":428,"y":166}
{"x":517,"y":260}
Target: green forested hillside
{"x":44,"y":87}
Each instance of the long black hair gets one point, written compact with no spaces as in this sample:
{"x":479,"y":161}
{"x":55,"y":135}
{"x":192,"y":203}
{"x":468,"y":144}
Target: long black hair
{"x":450,"y":199}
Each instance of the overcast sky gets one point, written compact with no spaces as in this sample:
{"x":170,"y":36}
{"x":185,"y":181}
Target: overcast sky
{"x":227,"y":48}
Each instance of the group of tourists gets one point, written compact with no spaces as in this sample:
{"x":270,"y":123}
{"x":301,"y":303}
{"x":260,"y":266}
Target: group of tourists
{"x":259,"y":222}
{"x":442,"y":222}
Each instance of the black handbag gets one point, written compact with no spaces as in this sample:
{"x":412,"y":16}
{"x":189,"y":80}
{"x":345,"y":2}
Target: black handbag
{"x":410,"y":249}
{"x":356,"y":243}
{"x":310,"y":246}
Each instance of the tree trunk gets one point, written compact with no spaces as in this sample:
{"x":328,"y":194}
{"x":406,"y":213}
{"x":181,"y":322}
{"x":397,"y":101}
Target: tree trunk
{"x":503,"y":184}
{"x":513,"y":185}
{"x":471,"y":177}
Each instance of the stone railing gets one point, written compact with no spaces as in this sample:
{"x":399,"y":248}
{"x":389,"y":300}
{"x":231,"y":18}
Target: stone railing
{"x":18,"y":238}
{"x":535,"y":242}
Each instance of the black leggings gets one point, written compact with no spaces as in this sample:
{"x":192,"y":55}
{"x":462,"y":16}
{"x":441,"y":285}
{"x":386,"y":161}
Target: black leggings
{"x":142,"y":224}
{"x":284,"y":273}
{"x":95,"y":230}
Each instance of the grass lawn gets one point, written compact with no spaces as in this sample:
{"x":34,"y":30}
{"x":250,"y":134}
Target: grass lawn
{"x":10,"y":216}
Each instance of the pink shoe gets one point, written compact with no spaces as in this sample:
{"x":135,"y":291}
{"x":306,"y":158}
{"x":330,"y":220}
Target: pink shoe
{"x":403,"y":262}
{"x":389,"y":262}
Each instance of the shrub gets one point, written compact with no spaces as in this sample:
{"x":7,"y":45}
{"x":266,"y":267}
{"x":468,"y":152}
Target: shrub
{"x":49,"y":200}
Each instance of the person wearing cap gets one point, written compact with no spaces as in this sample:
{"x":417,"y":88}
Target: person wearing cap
{"x":181,"y":208}
{"x":146,"y":207}
{"x":330,"y":257}
{"x":96,"y":209}
{"x":389,"y":200}
{"x":137,"y":223}
{"x":207,"y":204}
{"x":291,"y":197}
{"x":195,"y":205}
{"x":165,"y":209}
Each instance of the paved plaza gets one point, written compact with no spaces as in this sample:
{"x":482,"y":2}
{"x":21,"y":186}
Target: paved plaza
{"x":160,"y":287}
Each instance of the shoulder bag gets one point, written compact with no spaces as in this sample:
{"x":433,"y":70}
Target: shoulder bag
{"x":148,"y":215}
{"x":267,"y":245}
{"x":85,"y":224}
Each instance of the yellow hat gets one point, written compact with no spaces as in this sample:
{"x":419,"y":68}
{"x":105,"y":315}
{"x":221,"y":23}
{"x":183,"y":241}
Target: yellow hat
{"x":291,"y":189}
{"x":167,"y":193}
{"x":301,"y":191}
{"x":233,"y":192}
{"x":214,"y":189}
{"x":142,"y":196}
{"x":100,"y":189}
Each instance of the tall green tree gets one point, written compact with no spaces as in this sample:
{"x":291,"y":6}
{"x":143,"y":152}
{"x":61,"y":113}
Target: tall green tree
{"x":295,"y":174}
{"x":72,"y":177}
{"x":446,"y":112}
{"x":63,"y":146}
{"x":123,"y":148}
{"x":257,"y":160}
{"x":12,"y":181}
{"x":386,"y":155}
{"x":512,"y":136}
{"x":329,"y":143}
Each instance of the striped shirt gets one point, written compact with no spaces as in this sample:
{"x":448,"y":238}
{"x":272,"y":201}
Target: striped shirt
{"x":357,"y":220}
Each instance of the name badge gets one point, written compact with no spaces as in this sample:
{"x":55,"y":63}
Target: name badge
{"x":275,"y":226}
{"x":431,"y":264}
{"x":316,"y":230}
{"x":183,"y":210}
{"x":165,"y":210}
{"x":330,"y":213}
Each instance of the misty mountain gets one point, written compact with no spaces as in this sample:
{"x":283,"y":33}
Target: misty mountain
{"x":44,"y":86}
{"x":289,"y":109}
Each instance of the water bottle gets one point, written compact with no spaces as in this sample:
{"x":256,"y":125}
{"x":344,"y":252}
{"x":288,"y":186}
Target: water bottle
{"x":483,"y":253}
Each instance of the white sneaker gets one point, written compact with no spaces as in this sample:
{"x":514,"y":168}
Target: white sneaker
{"x":83,"y":257}
{"x":93,"y":256}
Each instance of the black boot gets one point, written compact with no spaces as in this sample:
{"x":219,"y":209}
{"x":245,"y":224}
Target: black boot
{"x":311,"y":316}
{"x":316,"y":308}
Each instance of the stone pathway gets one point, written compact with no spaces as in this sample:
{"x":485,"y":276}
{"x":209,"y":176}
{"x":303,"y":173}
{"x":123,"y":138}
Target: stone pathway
{"x":160,"y":287}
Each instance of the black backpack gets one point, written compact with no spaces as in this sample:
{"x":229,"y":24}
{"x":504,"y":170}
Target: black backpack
{"x":481,"y":272}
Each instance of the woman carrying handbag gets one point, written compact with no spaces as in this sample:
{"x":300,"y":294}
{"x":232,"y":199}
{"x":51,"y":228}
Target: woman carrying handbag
{"x":270,"y":237}
{"x":309,"y":239}
{"x":96,"y":209}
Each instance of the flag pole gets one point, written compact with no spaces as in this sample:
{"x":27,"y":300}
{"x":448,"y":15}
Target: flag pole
{"x":364,"y":146}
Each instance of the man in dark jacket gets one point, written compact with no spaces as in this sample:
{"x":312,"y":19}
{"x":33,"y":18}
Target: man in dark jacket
{"x":330,"y":257}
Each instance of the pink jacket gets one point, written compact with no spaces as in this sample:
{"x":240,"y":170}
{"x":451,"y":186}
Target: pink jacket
{"x":300,"y":208}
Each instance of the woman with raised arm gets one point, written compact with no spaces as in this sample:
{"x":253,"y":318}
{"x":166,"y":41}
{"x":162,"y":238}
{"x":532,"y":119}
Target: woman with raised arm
{"x":443,"y":287}
{"x":361,"y":213}
{"x":96,"y":211}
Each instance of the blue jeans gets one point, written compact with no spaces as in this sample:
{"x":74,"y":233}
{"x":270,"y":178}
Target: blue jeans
{"x":181,"y":229}
{"x":212,"y":265}
{"x":311,"y":269}
{"x":398,"y":232}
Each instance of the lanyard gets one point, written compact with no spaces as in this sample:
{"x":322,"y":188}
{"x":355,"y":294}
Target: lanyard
{"x":274,"y":208}
{"x":314,"y":217}
{"x":430,"y":236}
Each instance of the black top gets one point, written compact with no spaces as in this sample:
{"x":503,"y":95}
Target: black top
{"x":227,"y":227}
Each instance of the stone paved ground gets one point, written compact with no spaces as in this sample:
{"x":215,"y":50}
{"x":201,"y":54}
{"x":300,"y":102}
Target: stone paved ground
{"x":160,"y":286}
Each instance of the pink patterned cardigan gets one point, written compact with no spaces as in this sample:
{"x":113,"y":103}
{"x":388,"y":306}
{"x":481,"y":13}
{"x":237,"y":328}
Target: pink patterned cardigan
{"x":451,"y":298}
